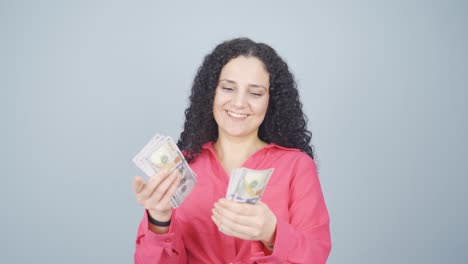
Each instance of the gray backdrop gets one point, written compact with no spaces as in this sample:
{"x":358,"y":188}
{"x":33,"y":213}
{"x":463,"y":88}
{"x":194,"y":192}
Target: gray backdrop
{"x":84,"y":85}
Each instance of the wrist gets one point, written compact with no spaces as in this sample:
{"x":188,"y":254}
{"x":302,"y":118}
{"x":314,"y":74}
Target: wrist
{"x":159,"y":217}
{"x":269,"y":240}
{"x":157,"y":222}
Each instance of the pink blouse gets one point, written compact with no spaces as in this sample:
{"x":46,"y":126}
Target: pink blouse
{"x":293,"y":194}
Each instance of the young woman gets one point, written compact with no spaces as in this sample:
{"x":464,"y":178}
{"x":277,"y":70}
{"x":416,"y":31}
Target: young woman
{"x":244,"y":112}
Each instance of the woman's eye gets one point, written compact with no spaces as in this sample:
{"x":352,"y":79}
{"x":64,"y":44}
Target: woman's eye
{"x":227,"y":88}
{"x":256,"y":94}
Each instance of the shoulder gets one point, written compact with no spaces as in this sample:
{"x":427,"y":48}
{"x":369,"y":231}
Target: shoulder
{"x":293,"y":169}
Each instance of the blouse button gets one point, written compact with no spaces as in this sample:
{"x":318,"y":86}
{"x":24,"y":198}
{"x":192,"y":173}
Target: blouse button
{"x":167,"y":240}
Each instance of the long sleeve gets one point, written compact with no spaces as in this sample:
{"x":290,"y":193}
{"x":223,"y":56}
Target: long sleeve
{"x":293,"y":194}
{"x":156,"y":248}
{"x":304,"y":236}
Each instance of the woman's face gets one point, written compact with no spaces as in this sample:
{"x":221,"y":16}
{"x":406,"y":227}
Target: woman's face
{"x":241,"y":98}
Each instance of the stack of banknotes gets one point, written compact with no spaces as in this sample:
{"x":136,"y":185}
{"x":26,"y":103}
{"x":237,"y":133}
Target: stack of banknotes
{"x":247,"y":185}
{"x":162,"y":153}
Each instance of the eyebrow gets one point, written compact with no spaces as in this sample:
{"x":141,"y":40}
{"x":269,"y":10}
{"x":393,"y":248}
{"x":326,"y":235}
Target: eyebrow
{"x":250,"y":84}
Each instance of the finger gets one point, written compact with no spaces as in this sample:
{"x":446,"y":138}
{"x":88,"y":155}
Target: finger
{"x":234,"y":230}
{"x":238,"y":208}
{"x":231,"y":219}
{"x":152,"y":184}
{"x":226,"y":213}
{"x":162,"y":188}
{"x":137,"y":184}
{"x":164,"y":185}
{"x":217,"y":222}
{"x":165,"y":200}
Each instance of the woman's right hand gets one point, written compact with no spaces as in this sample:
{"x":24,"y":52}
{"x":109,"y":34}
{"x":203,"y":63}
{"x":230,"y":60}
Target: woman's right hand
{"x":155,"y":194}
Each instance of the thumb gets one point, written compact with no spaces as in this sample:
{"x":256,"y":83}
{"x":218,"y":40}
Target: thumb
{"x":260,"y":203}
{"x":137,"y":184}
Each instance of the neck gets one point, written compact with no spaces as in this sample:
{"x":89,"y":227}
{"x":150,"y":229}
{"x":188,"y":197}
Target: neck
{"x":236,"y":150}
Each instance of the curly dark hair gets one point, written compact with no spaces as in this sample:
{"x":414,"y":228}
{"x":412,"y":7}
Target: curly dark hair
{"x":285,"y":123}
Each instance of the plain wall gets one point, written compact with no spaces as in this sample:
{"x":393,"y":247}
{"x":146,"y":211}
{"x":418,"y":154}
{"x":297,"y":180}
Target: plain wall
{"x":85,"y":84}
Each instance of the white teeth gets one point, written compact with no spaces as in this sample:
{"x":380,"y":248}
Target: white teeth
{"x":236,"y":115}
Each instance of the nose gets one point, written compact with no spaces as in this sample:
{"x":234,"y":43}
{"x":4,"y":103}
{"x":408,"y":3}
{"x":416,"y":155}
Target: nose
{"x":239,"y":99}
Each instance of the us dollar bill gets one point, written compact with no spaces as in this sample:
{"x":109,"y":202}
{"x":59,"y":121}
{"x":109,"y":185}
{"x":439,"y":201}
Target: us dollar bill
{"x":247,"y":185}
{"x":160,"y":153}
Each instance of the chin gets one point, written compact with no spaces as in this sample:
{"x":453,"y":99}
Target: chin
{"x":238,"y":133}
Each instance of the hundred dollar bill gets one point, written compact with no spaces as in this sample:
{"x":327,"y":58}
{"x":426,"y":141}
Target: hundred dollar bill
{"x":162,"y":153}
{"x":247,"y":185}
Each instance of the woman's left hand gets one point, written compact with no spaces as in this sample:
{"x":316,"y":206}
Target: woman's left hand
{"x":245,"y":221}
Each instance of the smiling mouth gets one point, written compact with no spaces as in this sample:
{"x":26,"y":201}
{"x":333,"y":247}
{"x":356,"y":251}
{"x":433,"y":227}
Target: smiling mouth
{"x":236,"y":115}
